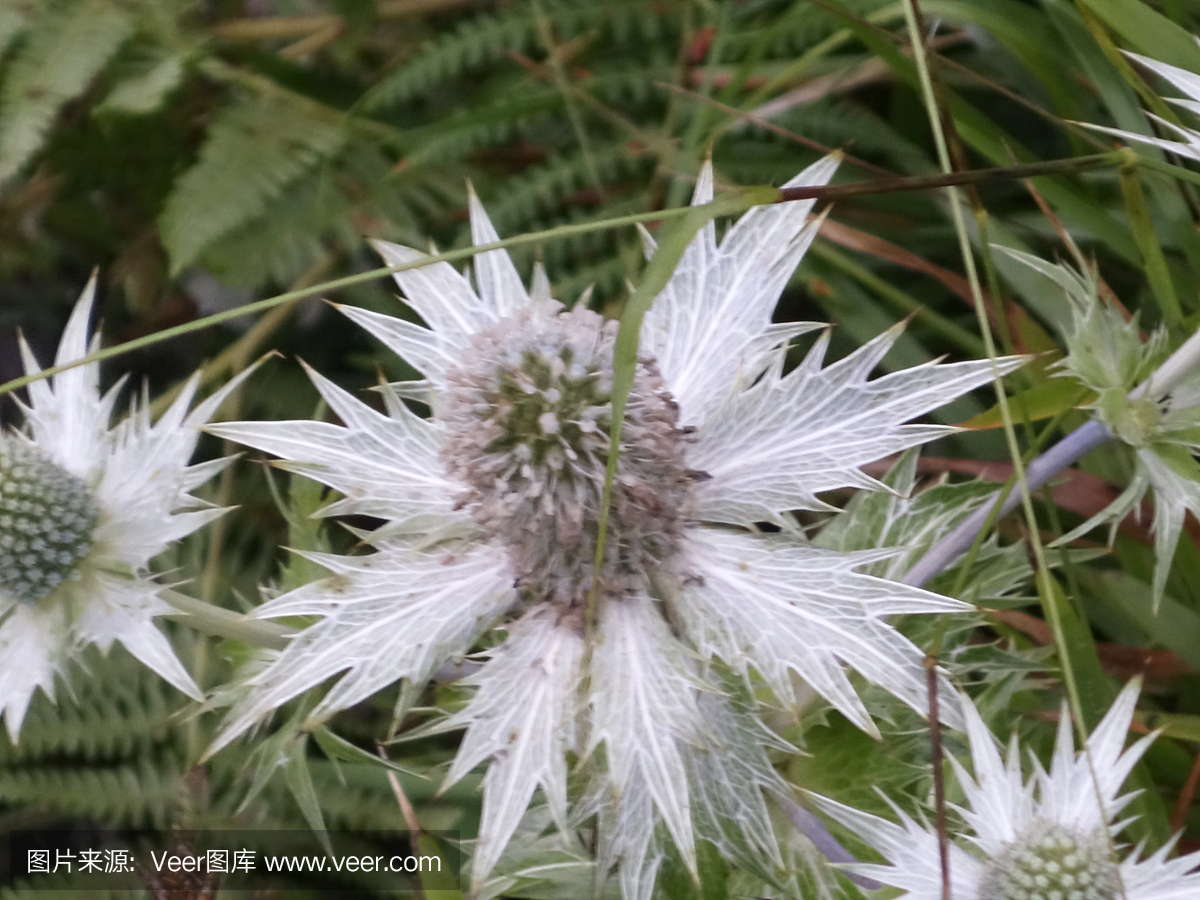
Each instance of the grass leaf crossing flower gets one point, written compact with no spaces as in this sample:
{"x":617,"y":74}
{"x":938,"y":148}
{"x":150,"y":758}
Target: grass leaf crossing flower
{"x":493,"y":506}
{"x":83,"y":509}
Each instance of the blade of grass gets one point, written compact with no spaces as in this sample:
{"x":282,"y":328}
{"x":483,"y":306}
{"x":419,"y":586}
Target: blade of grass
{"x":1153,"y":260}
{"x":658,"y":272}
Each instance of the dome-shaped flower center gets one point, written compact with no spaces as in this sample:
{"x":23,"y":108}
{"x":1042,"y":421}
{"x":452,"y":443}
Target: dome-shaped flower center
{"x":527,"y":422}
{"x":1053,"y":863}
{"x":47,"y":516}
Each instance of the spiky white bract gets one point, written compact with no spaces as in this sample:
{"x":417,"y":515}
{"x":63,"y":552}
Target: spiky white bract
{"x":1189,"y":82}
{"x":528,"y":694}
{"x":1054,"y":829}
{"x":137,"y":483}
{"x":492,"y":509}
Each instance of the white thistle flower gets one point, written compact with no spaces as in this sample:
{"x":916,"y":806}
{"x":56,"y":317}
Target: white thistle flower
{"x":1050,"y":836}
{"x":493,"y":506}
{"x":83,"y":510}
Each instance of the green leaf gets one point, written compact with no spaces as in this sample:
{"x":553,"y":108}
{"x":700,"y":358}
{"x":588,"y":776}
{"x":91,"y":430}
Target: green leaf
{"x":1153,"y":260}
{"x":67,"y":47}
{"x":339,"y":749}
{"x":255,"y":149}
{"x":1130,"y":600}
{"x":1149,"y":31}
{"x":1180,"y":727}
{"x":1042,"y":401}
{"x":299,"y":781}
{"x":676,"y":884}
{"x":1076,"y":653}
{"x":146,"y":91}
{"x":625,"y":354}
{"x":300,"y":511}
{"x":440,"y":884}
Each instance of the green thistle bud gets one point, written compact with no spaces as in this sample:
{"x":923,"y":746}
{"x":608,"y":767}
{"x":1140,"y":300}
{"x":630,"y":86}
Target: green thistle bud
{"x":47,"y":516}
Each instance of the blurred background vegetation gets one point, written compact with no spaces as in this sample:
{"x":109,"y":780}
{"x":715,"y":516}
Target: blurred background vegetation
{"x":206,"y":154}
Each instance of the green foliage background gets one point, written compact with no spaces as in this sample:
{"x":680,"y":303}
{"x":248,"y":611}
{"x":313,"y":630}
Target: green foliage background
{"x":206,"y":154}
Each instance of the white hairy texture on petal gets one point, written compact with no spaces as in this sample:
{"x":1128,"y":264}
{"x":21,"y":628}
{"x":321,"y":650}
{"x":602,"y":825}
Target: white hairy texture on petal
{"x":626,"y":835}
{"x":521,"y":720}
{"x":644,"y":711}
{"x":1189,"y":83}
{"x":1174,"y":496}
{"x":66,"y":415}
{"x":384,"y":465}
{"x":705,"y":328}
{"x":1002,"y":804}
{"x":1189,"y":147}
{"x":729,"y":771}
{"x":432,"y":353}
{"x":775,"y":446}
{"x":144,"y":487}
{"x":779,"y":608}
{"x":123,"y":610}
{"x":1159,"y":878}
{"x":1081,"y":789}
{"x":439,"y":293}
{"x":33,"y":640}
{"x":1001,"y":801}
{"x":910,"y":849}
{"x":398,"y":613}
{"x":539,"y":286}
{"x":500,"y":286}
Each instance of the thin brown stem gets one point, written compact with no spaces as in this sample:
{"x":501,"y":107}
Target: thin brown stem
{"x":951,"y":179}
{"x":939,"y":777}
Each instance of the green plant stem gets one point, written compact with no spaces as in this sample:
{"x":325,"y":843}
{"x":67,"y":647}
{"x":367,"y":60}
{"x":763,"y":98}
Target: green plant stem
{"x":1087,"y":437}
{"x":226,"y":623}
{"x":658,"y":272}
{"x":533,"y":237}
{"x":764,"y":195}
{"x":1112,"y":159}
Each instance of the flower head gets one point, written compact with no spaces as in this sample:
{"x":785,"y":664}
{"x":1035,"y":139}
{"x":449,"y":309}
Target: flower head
{"x":493,"y":508}
{"x":83,"y":509}
{"x":1049,"y":836}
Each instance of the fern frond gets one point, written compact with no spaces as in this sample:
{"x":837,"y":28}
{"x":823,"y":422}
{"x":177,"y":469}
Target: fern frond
{"x":64,"y":50}
{"x":481,"y":41}
{"x":285,"y":238}
{"x":484,"y":125}
{"x":141,"y":795}
{"x":15,"y":19}
{"x":146,"y":89}
{"x":112,"y":715}
{"x":255,"y":149}
{"x":606,"y":278}
{"x":475,"y":43}
{"x":541,"y":191}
